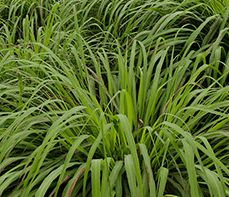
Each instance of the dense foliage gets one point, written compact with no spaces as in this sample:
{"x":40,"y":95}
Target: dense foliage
{"x":114,"y":98}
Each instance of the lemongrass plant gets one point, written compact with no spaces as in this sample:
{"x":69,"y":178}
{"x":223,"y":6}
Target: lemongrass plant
{"x":114,"y":98}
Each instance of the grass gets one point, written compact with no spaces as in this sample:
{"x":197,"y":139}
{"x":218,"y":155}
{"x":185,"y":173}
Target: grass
{"x":114,"y":98}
